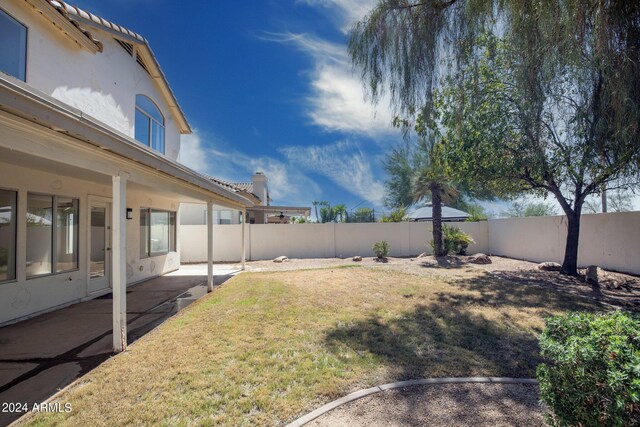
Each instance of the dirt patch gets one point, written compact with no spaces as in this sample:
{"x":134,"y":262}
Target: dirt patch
{"x":442,"y":405}
{"x":615,"y":289}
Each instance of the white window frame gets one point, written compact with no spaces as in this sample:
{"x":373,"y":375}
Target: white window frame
{"x":152,"y":120}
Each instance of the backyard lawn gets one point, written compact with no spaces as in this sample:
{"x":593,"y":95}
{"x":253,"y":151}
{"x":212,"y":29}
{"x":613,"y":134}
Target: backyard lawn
{"x":267,"y":347}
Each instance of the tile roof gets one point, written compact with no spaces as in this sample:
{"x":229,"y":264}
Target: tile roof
{"x":246,"y":186}
{"x":238,"y":187}
{"x":77,"y":16}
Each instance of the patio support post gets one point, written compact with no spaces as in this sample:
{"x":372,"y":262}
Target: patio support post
{"x":244,"y":225}
{"x":119,"y":261}
{"x":209,"y":245}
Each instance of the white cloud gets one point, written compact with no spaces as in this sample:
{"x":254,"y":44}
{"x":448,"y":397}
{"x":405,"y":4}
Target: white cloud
{"x":192,"y":154}
{"x":208,"y":154}
{"x":349,"y":11}
{"x":287,"y":185}
{"x":337,"y":101}
{"x":343,"y":163}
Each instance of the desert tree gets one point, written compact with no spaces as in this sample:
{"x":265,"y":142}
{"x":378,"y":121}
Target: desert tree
{"x":540,"y":96}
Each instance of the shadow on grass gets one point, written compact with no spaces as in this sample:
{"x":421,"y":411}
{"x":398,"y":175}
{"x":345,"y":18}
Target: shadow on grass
{"x":513,"y":289}
{"x":470,"y":331}
{"x":462,"y":334}
{"x":445,"y":340}
{"x":624,"y":297}
{"x":439,"y":340}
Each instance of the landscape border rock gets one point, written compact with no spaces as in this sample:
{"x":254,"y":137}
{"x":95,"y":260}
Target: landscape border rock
{"x":549,"y":266}
{"x":480,"y":258}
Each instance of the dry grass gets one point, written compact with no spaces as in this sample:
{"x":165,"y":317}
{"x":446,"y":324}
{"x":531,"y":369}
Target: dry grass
{"x":267,"y":347}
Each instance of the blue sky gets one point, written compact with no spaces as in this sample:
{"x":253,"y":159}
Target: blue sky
{"x":267,"y":86}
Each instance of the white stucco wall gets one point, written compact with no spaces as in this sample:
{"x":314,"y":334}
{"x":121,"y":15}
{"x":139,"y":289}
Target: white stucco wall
{"x":103,"y":85}
{"x":196,"y":214}
{"x":266,"y":241}
{"x":227,"y":243}
{"x":611,"y":241}
{"x":24,"y":297}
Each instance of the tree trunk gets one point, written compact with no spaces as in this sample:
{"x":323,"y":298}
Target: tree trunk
{"x":436,"y":209}
{"x":570,"y":263}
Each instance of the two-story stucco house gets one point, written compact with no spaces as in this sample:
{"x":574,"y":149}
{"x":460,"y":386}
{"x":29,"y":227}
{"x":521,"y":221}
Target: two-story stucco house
{"x":89,"y":184}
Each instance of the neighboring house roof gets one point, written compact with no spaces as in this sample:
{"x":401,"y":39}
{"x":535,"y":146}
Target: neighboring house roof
{"x":425,"y":213}
{"x":245,"y":188}
{"x":84,"y":21}
{"x":248,"y":187}
{"x":241,"y":189}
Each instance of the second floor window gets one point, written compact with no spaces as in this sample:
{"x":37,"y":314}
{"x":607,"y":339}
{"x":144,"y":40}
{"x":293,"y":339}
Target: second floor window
{"x":149,"y":127}
{"x":13,"y":47}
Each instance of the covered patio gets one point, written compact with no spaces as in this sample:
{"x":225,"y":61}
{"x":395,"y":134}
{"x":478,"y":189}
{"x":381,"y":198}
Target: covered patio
{"x":122,"y":198}
{"x":41,"y":355}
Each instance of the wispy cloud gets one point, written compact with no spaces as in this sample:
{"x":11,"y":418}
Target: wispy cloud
{"x":343,"y":163}
{"x":208,"y":154}
{"x":337,"y":101}
{"x":348,"y":11}
{"x":192,"y":153}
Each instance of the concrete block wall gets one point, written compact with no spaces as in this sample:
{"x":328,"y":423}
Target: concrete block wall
{"x":610,"y":240}
{"x":267,"y":241}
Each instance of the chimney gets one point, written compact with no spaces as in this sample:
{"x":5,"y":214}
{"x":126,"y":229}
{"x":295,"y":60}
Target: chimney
{"x":260,"y":187}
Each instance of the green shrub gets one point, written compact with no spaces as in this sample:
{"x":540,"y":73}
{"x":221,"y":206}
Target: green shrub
{"x":592,"y":372}
{"x":398,"y":215}
{"x":381,"y":249}
{"x":454,"y":240}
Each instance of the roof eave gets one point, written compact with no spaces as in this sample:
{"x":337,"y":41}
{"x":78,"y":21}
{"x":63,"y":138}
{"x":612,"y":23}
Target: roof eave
{"x":22,"y":100}
{"x":63,"y":24}
{"x":158,"y":75}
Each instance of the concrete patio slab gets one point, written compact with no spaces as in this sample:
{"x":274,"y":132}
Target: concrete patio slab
{"x":11,"y":371}
{"x":32,"y":391}
{"x":52,"y":334}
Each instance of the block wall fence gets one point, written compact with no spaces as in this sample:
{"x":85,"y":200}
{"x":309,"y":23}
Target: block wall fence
{"x":610,"y":240}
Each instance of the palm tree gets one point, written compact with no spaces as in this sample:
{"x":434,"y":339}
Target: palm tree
{"x":341,"y":211}
{"x":430,"y":180}
{"x":326,"y":214}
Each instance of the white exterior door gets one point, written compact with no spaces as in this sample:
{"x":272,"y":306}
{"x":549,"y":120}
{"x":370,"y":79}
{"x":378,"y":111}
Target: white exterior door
{"x":99,"y":246}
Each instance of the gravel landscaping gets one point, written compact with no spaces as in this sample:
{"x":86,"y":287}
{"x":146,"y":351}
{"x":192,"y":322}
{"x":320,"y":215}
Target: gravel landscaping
{"x":441,"y":405}
{"x":614,"y":289}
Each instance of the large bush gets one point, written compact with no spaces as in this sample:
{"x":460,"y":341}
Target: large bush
{"x":592,"y":372}
{"x":454,"y":240}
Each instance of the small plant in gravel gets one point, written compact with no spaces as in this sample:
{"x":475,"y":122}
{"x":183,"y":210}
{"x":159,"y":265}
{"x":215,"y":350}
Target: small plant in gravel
{"x":592,"y":372}
{"x":381,"y":249}
{"x":454,"y":240}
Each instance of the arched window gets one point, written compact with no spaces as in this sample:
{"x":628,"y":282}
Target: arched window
{"x":149,"y":123}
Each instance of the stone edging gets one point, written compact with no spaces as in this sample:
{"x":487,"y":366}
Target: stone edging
{"x":400,"y":384}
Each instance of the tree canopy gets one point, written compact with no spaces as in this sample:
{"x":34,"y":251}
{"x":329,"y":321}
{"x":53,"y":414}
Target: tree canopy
{"x":541,"y":96}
